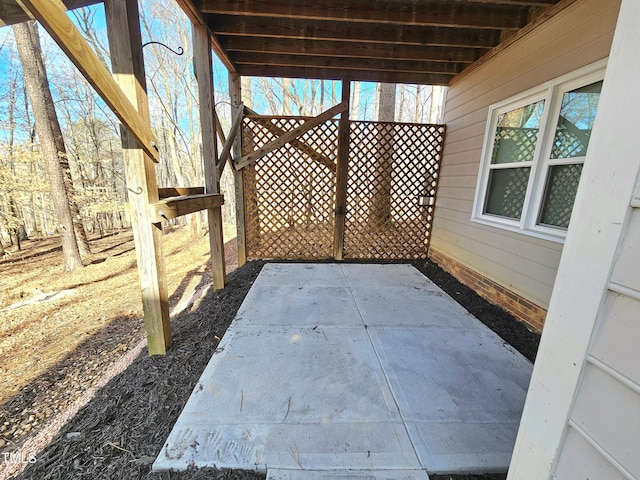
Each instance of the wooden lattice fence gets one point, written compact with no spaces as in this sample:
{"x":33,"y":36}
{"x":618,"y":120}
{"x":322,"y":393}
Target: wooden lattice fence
{"x":290,"y":193}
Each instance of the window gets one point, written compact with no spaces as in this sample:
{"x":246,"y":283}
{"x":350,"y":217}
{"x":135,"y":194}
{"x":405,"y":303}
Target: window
{"x":534,"y":150}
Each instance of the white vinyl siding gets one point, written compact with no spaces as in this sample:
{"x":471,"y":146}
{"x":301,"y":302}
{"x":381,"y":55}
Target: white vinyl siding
{"x":606,"y":409}
{"x":578,"y":36}
{"x":581,"y":460}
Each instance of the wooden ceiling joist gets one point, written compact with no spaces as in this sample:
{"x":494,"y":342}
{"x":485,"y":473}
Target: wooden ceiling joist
{"x":443,"y":13}
{"x":346,"y":63}
{"x":339,"y":74}
{"x":395,"y":41}
{"x":297,"y":29}
{"x":349,"y":49}
{"x":525,"y":3}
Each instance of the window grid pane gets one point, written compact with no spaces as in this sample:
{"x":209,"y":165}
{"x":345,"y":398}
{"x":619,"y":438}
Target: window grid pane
{"x":560,"y":194}
{"x":507,"y":190}
{"x":517,"y":134}
{"x":575,"y":122}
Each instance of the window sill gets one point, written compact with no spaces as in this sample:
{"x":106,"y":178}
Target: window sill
{"x":541,"y":233}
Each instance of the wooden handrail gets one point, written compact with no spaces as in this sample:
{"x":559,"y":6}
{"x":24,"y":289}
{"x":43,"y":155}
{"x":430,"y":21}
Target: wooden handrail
{"x":179,"y":192}
{"x":173,"y":207}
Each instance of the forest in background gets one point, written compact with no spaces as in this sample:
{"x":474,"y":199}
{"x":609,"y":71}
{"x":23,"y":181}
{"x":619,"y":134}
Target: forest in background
{"x":91,"y":131}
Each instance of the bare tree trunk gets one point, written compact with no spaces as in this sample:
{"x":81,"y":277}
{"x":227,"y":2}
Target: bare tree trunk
{"x":381,"y":204}
{"x":416,"y":113}
{"x":403,"y":92}
{"x":286,"y":96}
{"x":247,"y":94}
{"x":18,"y":232}
{"x":356,"y":100}
{"x":51,"y":141}
{"x":435,"y":109}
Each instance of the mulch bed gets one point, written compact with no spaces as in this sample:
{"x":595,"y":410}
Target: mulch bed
{"x":120,"y":432}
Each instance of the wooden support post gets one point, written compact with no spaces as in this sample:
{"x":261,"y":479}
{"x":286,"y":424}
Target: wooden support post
{"x":204,"y":75}
{"x":123,"y":29}
{"x":342,"y":172}
{"x":235,"y":93}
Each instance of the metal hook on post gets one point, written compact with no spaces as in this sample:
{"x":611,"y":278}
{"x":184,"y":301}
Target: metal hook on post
{"x":178,"y":52}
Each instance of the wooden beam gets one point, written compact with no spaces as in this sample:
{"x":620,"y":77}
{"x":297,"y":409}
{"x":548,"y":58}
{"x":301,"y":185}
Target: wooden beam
{"x":291,"y":135}
{"x":346,"y":63}
{"x":365,"y":33}
{"x":342,"y":173}
{"x":196,"y":19}
{"x":125,"y":42}
{"x":426,"y":12}
{"x":179,"y":191}
{"x":52,"y":15}
{"x":266,"y":123}
{"x":11,"y":12}
{"x":169,"y":208}
{"x":233,"y":134}
{"x":350,"y":48}
{"x":219,"y":131}
{"x":235,"y":94}
{"x":528,"y":3}
{"x":202,"y":62}
{"x":337,"y":74}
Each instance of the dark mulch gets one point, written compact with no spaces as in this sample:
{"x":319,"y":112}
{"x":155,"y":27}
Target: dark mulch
{"x":120,"y":432}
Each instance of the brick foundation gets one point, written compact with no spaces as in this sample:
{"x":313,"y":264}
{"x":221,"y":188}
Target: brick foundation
{"x":522,"y":309}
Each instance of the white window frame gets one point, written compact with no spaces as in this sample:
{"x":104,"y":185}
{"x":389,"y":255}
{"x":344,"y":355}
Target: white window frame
{"x":551,"y":92}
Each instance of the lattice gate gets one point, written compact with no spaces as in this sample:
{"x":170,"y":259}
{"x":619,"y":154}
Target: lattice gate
{"x":289,"y":194}
{"x":391,"y":188}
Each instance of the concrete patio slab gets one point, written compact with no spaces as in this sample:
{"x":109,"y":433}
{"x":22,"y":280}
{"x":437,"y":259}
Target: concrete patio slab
{"x":443,"y":374}
{"x":386,"y":275}
{"x":288,"y":375}
{"x":463,"y":447}
{"x":410,"y":307}
{"x":282,"y":474}
{"x":299,"y":274}
{"x":307,"y":305}
{"x":473,"y":384}
{"x":363,"y":371}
